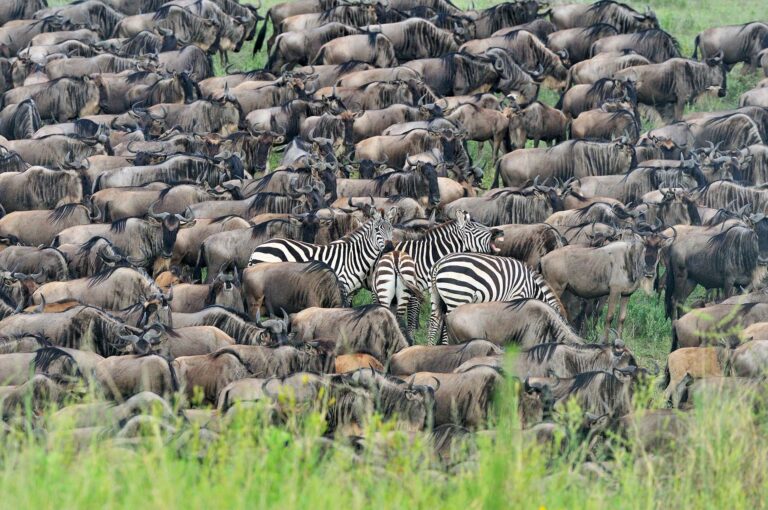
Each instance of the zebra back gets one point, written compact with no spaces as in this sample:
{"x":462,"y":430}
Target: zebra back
{"x":460,"y":235}
{"x":351,"y":257}
{"x":477,"y":278}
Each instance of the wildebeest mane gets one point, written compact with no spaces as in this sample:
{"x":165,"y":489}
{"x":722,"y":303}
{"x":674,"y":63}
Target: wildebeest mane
{"x":63,"y":212}
{"x":598,"y":29}
{"x":735,"y":245}
{"x":45,"y":356}
{"x":118,"y":226}
{"x":262,"y":229}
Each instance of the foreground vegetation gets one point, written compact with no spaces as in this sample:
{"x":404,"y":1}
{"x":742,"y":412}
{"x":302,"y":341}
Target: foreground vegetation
{"x":252,"y":463}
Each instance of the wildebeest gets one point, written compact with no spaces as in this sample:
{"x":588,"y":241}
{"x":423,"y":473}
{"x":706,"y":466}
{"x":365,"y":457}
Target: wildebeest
{"x":738,"y":43}
{"x":723,"y":258}
{"x":20,"y":120}
{"x":144,"y":241}
{"x":416,"y":38}
{"x":80,"y":327}
{"x":581,"y":98}
{"x":615,"y":270}
{"x":291,"y":287}
{"x":676,"y":81}
{"x":113,"y":289}
{"x":578,"y":41}
{"x":461,"y":398}
{"x":439,"y":358}
{"x":372,"y":48}
{"x":210,"y":373}
{"x":569,"y":159}
{"x":529,"y":205}
{"x":40,"y":188}
{"x":621,"y":16}
{"x":47,"y":223}
{"x":711,"y":324}
{"x":529,"y":243}
{"x":654,"y":44}
{"x":372,"y":329}
{"x":567,"y":360}
{"x":597,"y":392}
{"x":524,"y":322}
{"x":302,"y":47}
{"x":121,"y":377}
{"x":61,"y":99}
{"x":225,"y":290}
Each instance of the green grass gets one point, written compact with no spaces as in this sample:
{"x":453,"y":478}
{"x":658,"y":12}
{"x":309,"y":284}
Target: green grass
{"x":252,"y":463}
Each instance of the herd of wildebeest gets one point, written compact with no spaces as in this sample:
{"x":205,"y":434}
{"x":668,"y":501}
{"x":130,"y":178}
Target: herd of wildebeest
{"x":169,"y":235}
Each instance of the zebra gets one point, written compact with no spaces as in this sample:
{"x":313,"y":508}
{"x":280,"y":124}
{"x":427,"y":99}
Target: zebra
{"x":457,"y":236}
{"x":350,"y":257}
{"x":477,"y":278}
{"x":394,"y":279}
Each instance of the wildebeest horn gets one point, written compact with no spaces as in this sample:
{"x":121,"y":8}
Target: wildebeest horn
{"x":158,"y":216}
{"x":286,"y":317}
{"x":107,"y":254}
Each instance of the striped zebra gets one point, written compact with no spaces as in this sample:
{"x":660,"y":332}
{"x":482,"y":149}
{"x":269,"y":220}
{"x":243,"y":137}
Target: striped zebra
{"x":351,"y":257}
{"x":458,"y":236}
{"x":476,"y":278}
{"x":394,"y":280}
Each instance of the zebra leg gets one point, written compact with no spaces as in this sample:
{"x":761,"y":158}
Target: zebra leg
{"x":414,"y":309}
{"x":401,"y":312}
{"x":435,"y":318}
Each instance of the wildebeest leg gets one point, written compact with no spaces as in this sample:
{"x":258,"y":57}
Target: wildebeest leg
{"x":728,"y":288}
{"x":679,"y":108}
{"x":622,"y":314}
{"x":536,"y":142}
{"x":613,"y":298}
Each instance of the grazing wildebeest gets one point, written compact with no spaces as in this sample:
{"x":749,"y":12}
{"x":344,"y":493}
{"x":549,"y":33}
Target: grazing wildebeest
{"x":372,"y":329}
{"x":615,"y":270}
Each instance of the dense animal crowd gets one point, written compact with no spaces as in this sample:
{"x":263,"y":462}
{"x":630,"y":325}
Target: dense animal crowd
{"x":152,"y":249}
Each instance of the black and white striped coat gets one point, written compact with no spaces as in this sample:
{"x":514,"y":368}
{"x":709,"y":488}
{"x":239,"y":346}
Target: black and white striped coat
{"x":459,"y":236}
{"x":477,"y":278}
{"x":351,"y":257}
{"x":394,"y":281}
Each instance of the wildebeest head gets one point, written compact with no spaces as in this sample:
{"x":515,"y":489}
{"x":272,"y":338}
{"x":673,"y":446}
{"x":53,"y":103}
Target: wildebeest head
{"x":169,"y":225}
{"x":225,"y":290}
{"x":413,"y":404}
{"x":759,"y":224}
{"x":157,"y":309}
{"x":625,"y":150}
{"x":309,"y":225}
{"x":11,"y":161}
{"x":477,"y":237}
{"x":277,"y":329}
{"x":312,"y":193}
{"x":646,"y":20}
{"x":319,"y":356}
{"x":717,"y":74}
{"x":653,"y":241}
{"x":324,"y":174}
{"x":264,"y":142}
{"x":621,"y":356}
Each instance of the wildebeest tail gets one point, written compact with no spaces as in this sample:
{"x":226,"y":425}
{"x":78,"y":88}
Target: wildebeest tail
{"x":495,"y":183}
{"x":675,"y":338}
{"x":263,"y":32}
{"x":669,"y":290}
{"x":198,"y":271}
{"x":695,"y":55}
